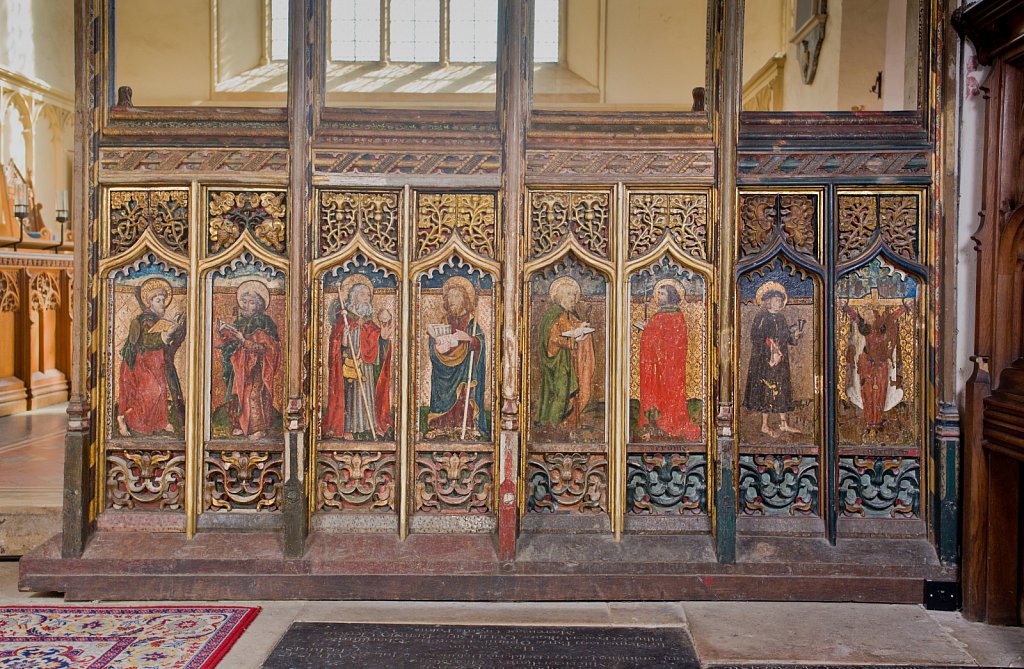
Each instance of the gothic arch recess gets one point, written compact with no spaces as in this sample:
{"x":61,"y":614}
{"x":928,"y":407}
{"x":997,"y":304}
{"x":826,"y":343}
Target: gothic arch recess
{"x":466,"y":351}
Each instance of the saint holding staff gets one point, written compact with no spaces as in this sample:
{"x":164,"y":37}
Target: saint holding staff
{"x":359,"y":364}
{"x":458,"y":368}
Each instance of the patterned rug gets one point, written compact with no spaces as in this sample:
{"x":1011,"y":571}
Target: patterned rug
{"x":164,"y":637}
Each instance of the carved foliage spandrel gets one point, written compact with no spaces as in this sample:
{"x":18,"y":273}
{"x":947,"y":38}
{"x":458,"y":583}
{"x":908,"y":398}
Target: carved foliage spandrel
{"x":558,"y":214}
{"x":356,"y":481}
{"x":146,"y":480}
{"x":798,"y":219}
{"x":469,"y":215}
{"x":682,"y":216}
{"x":899,"y":224}
{"x":773,"y":485}
{"x":343,"y":215}
{"x":764,"y":217}
{"x":243,"y":481}
{"x":10,"y":300}
{"x":567,"y":482}
{"x":447,"y":482}
{"x":261,"y":213}
{"x":757,"y":222}
{"x":858,"y":220}
{"x":165,"y":212}
{"x":880,"y":487}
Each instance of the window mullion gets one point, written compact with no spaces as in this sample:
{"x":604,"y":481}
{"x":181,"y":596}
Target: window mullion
{"x":446,"y":33}
{"x":385,"y":31}
{"x":268,"y":34}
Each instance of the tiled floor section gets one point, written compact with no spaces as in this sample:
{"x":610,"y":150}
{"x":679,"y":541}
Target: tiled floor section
{"x":723,"y":632}
{"x":32,"y":457}
{"x":31,"y":477}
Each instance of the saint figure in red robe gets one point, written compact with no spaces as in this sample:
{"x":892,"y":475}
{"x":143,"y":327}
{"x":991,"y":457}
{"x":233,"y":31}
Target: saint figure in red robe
{"x":876,"y":371}
{"x":663,"y":348}
{"x":251,"y":355}
{"x":149,"y":398}
{"x":359,"y":366}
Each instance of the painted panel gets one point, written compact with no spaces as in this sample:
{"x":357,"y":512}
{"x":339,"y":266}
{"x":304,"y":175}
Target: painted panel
{"x":455,"y":311}
{"x":777,"y":355}
{"x":246,"y":379}
{"x":878,"y":345}
{"x":147,"y":329}
{"x":668,"y":345}
{"x":568,"y":322}
{"x":358,"y":379}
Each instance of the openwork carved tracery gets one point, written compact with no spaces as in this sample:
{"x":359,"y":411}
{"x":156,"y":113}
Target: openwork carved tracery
{"x":652,"y":216}
{"x":894,"y":217}
{"x":441,"y":215}
{"x":146,"y":479}
{"x":44,"y":293}
{"x":10,"y":300}
{"x":880,"y":487}
{"x":165,"y":212}
{"x":899,"y":219}
{"x":558,"y":214}
{"x":243,"y":480}
{"x":666,"y":483}
{"x":363,"y":481}
{"x":454,"y":482}
{"x":778,"y":485}
{"x":231,"y":213}
{"x":343,"y":215}
{"x":561,"y":482}
{"x":764,"y":217}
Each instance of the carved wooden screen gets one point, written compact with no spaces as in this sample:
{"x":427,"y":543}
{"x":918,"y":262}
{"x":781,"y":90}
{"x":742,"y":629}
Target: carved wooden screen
{"x":832,"y":333}
{"x":617,"y":357}
{"x":406,"y":292}
{"x":619,"y":348}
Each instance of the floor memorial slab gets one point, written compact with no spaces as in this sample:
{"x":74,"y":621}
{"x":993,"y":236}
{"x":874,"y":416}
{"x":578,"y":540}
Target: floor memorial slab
{"x":369,"y":646}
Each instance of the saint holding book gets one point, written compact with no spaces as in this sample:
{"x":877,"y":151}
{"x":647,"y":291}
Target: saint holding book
{"x":150,"y":400}
{"x":457,"y":367}
{"x":567,"y":360}
{"x":251,"y":354}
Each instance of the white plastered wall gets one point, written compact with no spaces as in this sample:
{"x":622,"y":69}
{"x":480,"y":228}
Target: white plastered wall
{"x":37,"y":95}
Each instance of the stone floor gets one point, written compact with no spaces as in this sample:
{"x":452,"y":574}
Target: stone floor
{"x":31,"y":477}
{"x":31,"y":451}
{"x":722,"y":632}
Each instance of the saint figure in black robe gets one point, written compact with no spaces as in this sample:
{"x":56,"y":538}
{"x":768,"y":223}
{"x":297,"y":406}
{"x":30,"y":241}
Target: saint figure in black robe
{"x":769,"y":387}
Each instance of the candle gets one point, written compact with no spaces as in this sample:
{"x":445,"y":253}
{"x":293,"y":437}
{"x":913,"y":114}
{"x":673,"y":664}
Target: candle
{"x":64,"y":200}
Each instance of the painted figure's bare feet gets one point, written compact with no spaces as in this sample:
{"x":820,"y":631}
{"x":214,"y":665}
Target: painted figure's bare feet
{"x":122,"y":428}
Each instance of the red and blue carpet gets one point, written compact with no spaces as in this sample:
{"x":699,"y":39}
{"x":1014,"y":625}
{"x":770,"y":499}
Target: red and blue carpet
{"x":139,"y":637}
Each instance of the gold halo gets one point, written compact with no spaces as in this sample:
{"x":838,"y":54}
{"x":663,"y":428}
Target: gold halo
{"x":151,"y":287}
{"x":256,"y":287}
{"x":675,"y":283}
{"x":770,"y":286}
{"x":563,"y":281}
{"x":465,"y":284}
{"x":349,"y":283}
